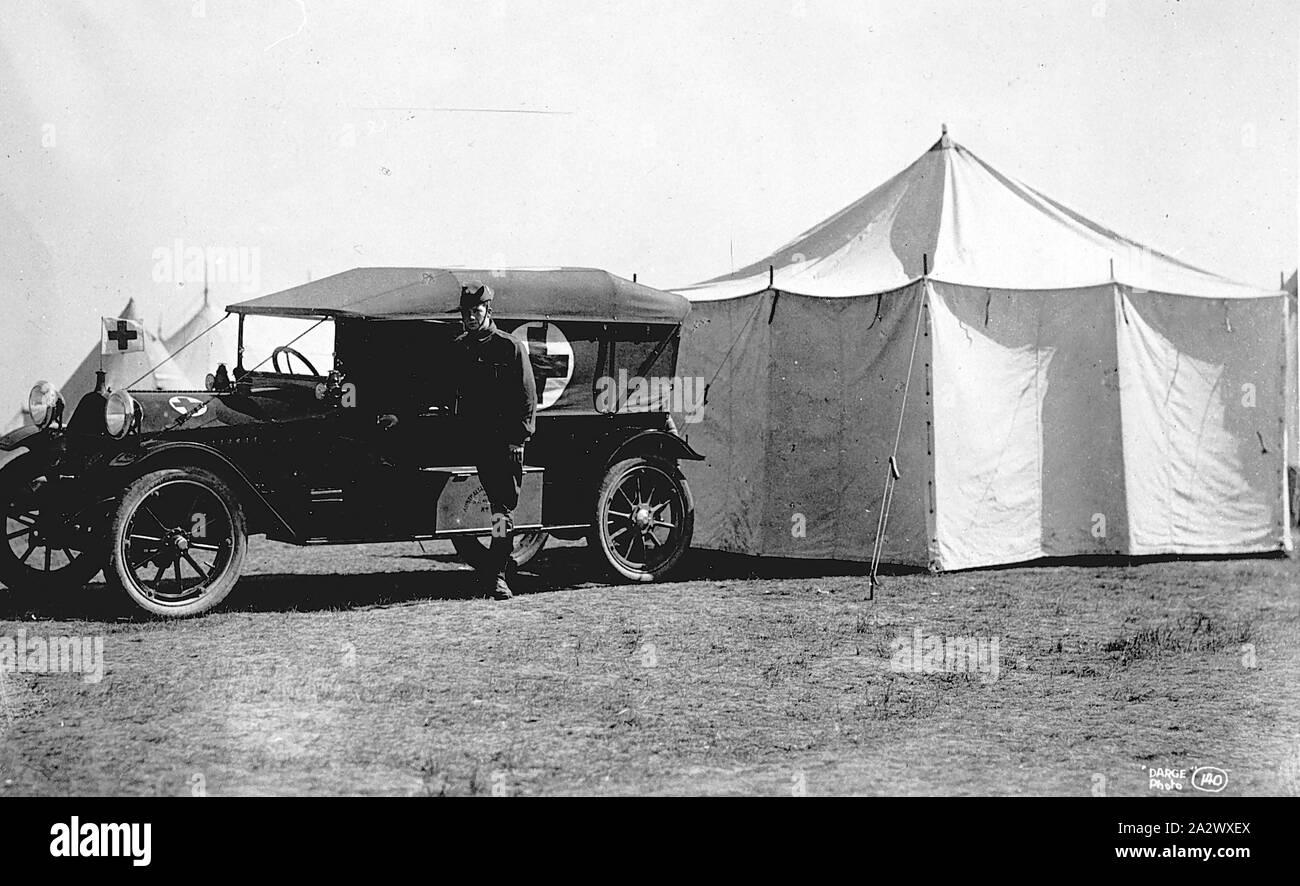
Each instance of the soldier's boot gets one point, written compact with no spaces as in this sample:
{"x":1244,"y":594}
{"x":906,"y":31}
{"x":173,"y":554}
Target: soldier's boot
{"x":498,"y":584}
{"x":500,"y":562}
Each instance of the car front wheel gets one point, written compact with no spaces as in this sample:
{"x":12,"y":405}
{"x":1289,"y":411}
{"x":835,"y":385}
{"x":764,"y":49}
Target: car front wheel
{"x":178,"y":541}
{"x":46,"y":548}
{"x":644,"y":518}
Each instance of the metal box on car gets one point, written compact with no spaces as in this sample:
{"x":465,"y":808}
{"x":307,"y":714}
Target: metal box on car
{"x":463,"y":504}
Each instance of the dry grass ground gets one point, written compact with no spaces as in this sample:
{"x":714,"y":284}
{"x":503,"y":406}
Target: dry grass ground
{"x":371,"y":670}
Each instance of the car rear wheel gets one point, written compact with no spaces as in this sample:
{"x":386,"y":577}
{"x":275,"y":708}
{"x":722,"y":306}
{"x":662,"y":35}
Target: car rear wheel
{"x":644,"y":518}
{"x":177,"y":542}
{"x":474,"y":551}
{"x":45,"y":549}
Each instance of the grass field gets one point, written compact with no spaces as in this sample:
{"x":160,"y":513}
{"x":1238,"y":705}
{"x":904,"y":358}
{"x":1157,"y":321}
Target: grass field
{"x":372,"y":670}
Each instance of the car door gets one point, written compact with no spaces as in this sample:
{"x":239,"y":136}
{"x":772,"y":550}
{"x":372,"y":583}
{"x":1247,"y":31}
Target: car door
{"x":405,"y":387}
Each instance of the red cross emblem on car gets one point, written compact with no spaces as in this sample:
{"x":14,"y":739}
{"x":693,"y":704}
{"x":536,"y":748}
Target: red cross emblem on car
{"x":551,"y":356}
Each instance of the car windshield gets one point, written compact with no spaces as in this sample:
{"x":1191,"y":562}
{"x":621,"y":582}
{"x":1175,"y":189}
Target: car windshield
{"x":263,"y":335}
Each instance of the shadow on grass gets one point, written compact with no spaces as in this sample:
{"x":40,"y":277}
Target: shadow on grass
{"x":564,"y":568}
{"x":276,"y":592}
{"x":575,"y":563}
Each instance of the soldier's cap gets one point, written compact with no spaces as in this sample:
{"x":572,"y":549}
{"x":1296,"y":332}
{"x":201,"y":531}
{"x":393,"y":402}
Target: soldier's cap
{"x":475,"y":293}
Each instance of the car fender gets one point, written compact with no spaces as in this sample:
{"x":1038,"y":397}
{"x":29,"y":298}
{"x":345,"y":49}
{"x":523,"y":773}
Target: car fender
{"x":652,"y":440}
{"x":18,"y":437}
{"x":23,"y":441}
{"x":155,"y":455}
{"x":9,"y":455}
{"x":663,"y":444}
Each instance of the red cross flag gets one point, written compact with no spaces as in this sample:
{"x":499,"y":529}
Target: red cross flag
{"x":118,"y":336}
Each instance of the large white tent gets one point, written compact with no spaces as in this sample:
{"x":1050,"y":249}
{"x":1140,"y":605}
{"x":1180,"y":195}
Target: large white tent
{"x":1293,"y":398}
{"x":1046,"y":386}
{"x":1293,"y":377}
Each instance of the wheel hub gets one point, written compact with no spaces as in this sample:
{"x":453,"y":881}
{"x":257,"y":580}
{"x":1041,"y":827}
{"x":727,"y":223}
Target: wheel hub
{"x":181,"y":542}
{"x":642,"y":517}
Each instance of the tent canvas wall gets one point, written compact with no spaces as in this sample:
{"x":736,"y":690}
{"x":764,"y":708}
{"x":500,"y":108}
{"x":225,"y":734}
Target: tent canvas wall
{"x":1292,"y":377}
{"x":1067,"y":391}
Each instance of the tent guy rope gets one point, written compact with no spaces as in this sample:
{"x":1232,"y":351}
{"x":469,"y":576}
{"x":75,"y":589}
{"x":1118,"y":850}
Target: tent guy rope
{"x":893,"y":474}
{"x":172,"y":356}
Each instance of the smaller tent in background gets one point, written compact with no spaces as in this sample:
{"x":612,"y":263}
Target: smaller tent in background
{"x":201,"y":342}
{"x":140,"y":370}
{"x":149,"y":370}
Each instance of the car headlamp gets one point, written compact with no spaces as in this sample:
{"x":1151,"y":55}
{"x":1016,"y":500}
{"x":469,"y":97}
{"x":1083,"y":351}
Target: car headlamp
{"x":43,"y":403}
{"x":119,"y":414}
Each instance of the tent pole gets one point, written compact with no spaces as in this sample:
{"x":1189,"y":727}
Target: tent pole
{"x":776,"y":296}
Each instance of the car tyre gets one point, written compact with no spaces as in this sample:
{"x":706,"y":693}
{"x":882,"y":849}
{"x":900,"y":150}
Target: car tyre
{"x":29,"y":561}
{"x":184,"y":521}
{"x":644,"y":518}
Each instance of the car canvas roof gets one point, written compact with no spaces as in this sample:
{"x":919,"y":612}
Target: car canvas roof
{"x":434,"y":294}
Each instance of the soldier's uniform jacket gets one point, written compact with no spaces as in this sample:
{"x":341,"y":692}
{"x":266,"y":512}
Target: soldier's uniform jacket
{"x":495,"y":391}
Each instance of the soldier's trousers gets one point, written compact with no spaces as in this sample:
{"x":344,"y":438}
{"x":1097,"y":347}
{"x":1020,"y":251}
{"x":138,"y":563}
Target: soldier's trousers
{"x":501,"y":478}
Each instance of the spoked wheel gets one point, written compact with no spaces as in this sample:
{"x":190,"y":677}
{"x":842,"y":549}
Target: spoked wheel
{"x":644,"y":518}
{"x":178,"y":541}
{"x":46,"y":548}
{"x":526,"y":546}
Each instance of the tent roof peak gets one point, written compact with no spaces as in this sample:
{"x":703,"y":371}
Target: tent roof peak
{"x":952,"y":217}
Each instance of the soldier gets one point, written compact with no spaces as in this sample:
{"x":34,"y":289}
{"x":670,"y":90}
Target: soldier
{"x":496,"y":398}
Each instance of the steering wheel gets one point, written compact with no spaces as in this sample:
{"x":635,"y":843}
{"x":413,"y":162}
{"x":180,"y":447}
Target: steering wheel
{"x":290,"y":352}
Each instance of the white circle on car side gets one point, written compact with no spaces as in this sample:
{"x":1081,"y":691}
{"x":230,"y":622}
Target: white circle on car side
{"x":552,"y":357}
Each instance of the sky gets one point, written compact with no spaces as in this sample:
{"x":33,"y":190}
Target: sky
{"x":300,"y":138}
